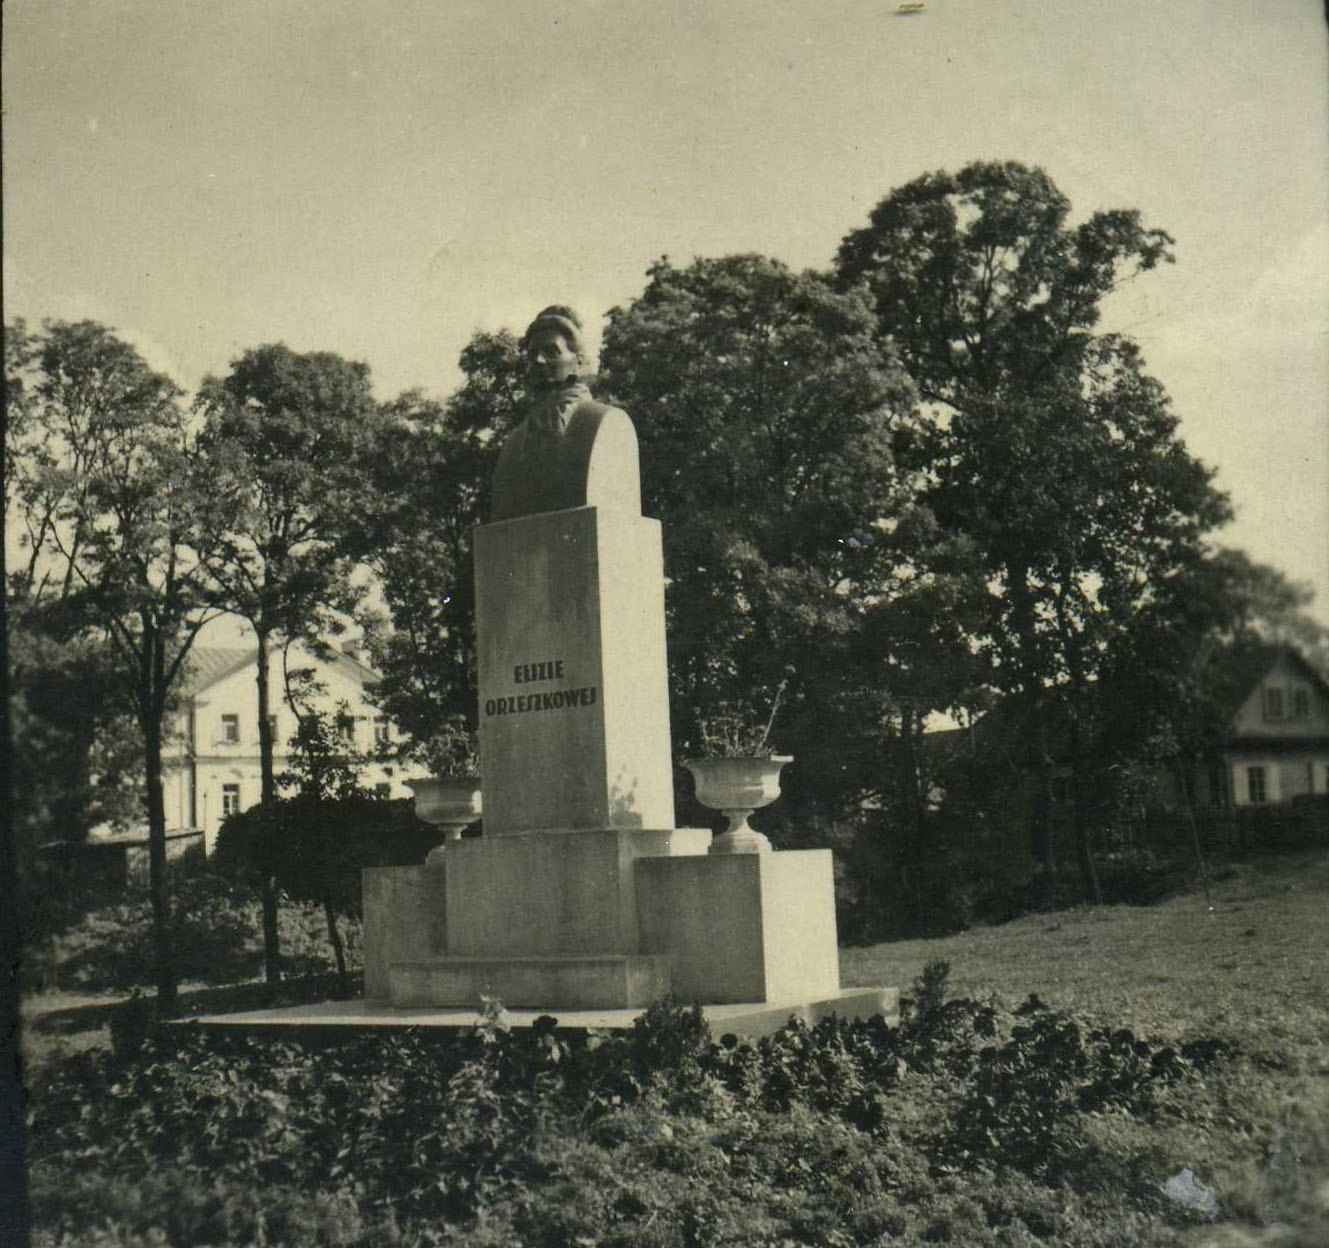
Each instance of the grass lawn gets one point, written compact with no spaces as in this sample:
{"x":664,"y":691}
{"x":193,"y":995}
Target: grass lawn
{"x":1249,"y":965}
{"x":1252,"y":964}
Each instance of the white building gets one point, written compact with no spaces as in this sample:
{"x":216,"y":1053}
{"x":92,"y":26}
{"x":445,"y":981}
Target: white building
{"x":213,"y":768}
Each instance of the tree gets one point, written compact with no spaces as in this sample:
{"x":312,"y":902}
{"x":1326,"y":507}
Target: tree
{"x":113,"y":500}
{"x":287,"y":435}
{"x":766,"y":411}
{"x":430,"y":476}
{"x":73,"y":745}
{"x":1047,"y":443}
{"x":1167,"y":694}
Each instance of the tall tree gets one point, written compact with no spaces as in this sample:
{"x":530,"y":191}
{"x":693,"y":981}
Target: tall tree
{"x":113,"y":502}
{"x":766,"y":412}
{"x":75,"y":745}
{"x":1049,"y":445}
{"x":287,"y":435}
{"x":430,"y":475}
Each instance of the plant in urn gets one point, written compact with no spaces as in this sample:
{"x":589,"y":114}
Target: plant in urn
{"x":743,"y":774}
{"x":449,"y":799}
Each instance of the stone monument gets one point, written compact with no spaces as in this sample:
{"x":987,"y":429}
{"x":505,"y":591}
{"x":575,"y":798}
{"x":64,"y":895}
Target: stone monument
{"x":582,"y":894}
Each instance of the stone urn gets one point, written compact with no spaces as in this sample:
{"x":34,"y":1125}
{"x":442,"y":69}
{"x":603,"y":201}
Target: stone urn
{"x":737,"y":787}
{"x":448,"y":802}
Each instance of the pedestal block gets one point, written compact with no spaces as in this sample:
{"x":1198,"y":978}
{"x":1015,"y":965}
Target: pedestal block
{"x":556,"y":893}
{"x":742,"y":927}
{"x":405,"y":917}
{"x":574,"y":697}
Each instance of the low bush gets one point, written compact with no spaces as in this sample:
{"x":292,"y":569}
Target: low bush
{"x":968,"y":1123}
{"x":215,"y":940}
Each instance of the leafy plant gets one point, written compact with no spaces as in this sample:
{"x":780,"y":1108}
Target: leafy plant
{"x":737,"y":729}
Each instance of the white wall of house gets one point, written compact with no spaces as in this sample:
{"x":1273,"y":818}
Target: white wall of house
{"x":1260,"y":777}
{"x":224,"y":772}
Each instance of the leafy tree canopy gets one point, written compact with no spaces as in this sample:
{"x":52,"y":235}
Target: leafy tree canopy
{"x":766,"y":413}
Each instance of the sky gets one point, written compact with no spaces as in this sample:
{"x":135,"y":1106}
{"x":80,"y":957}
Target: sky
{"x":382,"y":179}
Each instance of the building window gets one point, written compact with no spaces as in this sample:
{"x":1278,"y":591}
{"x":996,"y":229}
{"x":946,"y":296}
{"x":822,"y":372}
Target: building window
{"x":1255,"y":791}
{"x":1273,"y":702}
{"x":346,"y":729}
{"x":1301,"y":703}
{"x":383,"y":790}
{"x":230,"y":729}
{"x":381,"y":732}
{"x":230,"y":800}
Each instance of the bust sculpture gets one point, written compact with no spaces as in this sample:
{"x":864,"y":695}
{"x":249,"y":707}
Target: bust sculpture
{"x":570,"y":451}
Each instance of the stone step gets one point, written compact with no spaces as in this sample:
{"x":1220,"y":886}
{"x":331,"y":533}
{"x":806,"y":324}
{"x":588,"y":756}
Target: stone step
{"x":575,"y":982}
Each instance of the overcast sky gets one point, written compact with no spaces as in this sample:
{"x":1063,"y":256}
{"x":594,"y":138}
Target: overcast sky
{"x":380,"y":179}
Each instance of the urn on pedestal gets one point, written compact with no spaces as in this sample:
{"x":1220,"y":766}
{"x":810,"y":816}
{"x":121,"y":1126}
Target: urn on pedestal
{"x":449,"y":802}
{"x":737,"y":787}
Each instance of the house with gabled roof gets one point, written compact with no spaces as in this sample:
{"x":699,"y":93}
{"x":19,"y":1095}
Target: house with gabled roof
{"x":1277,"y":745}
{"x":1272,"y":750}
{"x":212,"y":767}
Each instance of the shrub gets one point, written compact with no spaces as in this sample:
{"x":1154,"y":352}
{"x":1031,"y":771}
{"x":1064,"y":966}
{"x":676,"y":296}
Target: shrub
{"x":830,"y":1134}
{"x":215,"y":926}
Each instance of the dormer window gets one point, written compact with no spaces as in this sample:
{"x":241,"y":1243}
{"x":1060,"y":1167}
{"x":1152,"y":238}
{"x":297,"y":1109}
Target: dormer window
{"x":1301,"y":703}
{"x":1273,"y":702}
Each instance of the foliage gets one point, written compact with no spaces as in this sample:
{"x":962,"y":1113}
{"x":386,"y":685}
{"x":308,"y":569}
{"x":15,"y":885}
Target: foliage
{"x":659,"y":1135}
{"x":1045,"y":441}
{"x":113,"y":500}
{"x":314,"y":846}
{"x":77,"y":760}
{"x":213,"y":919}
{"x":766,"y":414}
{"x":742,"y":728}
{"x":431,"y":471}
{"x":286,"y":435}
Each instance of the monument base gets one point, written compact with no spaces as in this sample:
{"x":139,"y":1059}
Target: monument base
{"x":609,"y":981}
{"x":334,"y":1018}
{"x":405,"y":919}
{"x":742,"y":927}
{"x":612,"y":919}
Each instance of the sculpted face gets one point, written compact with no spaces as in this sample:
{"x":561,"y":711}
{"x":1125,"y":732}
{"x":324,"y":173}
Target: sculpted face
{"x":551,"y":361}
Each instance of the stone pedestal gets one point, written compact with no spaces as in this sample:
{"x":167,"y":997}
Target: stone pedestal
{"x":574,"y":696}
{"x":742,"y":927}
{"x":581,"y":895}
{"x":543,"y":894}
{"x":405,"y":918}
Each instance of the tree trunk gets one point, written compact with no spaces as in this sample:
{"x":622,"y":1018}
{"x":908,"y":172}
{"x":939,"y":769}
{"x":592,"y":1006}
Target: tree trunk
{"x":338,"y":951}
{"x":268,"y":793}
{"x":152,"y":700}
{"x":1083,"y":850}
{"x":1031,"y":686}
{"x":268,"y":780}
{"x":912,"y":834}
{"x":271,"y":941}
{"x":1040,"y":807}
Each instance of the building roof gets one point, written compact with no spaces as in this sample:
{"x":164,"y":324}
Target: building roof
{"x":1241,"y":668}
{"x":1235,"y":674}
{"x":207,"y":665}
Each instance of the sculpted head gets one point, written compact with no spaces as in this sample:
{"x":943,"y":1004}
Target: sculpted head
{"x":553,"y":348}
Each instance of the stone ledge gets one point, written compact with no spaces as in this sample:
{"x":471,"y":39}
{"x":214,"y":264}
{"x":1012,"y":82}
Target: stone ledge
{"x":587,"y":981}
{"x":757,"y":1018}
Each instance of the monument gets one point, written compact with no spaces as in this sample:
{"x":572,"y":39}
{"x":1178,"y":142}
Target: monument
{"x":582,"y":894}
